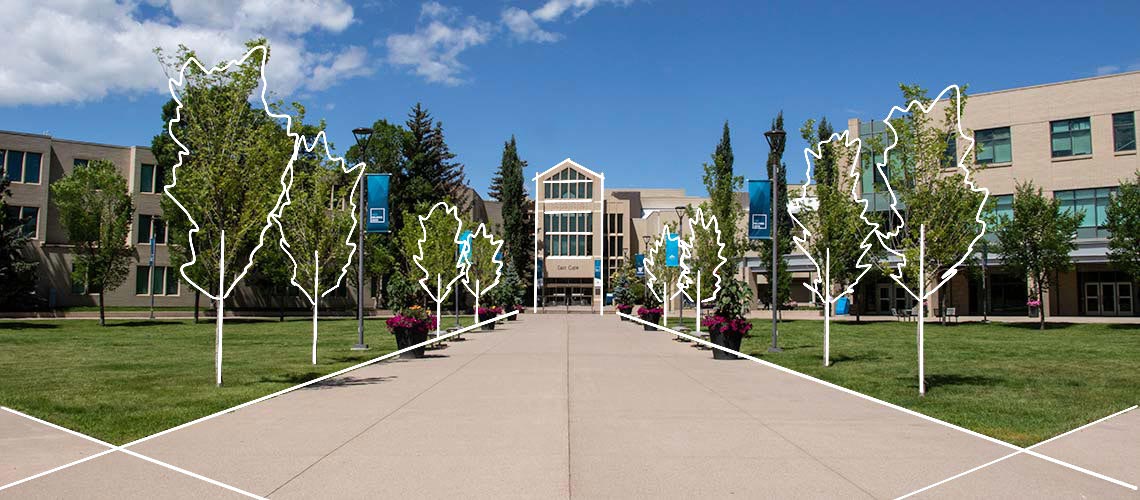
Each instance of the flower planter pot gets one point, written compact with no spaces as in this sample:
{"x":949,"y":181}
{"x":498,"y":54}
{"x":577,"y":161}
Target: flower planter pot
{"x":406,"y":338}
{"x":513,"y":317}
{"x":488,"y":326}
{"x":652,"y":318}
{"x":727,"y":341}
{"x":1034,"y":312}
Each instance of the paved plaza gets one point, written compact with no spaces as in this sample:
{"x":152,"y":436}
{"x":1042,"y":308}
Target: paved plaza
{"x":560,"y":406}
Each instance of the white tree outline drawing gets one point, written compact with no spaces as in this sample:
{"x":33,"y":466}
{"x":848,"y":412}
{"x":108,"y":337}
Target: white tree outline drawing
{"x":183,"y":151}
{"x":820,"y":286}
{"x":683,"y":278}
{"x":441,"y":290}
{"x":954,"y":94}
{"x":701,"y":221}
{"x":317,"y":294}
{"x":468,"y":252}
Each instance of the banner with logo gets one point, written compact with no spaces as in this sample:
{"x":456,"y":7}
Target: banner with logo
{"x":376,"y":210}
{"x":759,"y":209}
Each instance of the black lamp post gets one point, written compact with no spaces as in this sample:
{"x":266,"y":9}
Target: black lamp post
{"x":775,"y":139}
{"x":363,"y":136}
{"x":680,"y":232}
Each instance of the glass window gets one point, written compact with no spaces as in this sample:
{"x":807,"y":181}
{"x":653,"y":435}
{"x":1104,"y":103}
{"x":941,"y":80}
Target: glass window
{"x":1071,"y":137}
{"x":142,"y":276}
{"x":146,"y":184}
{"x":31,"y":216}
{"x":950,"y":156}
{"x":157,"y":281}
{"x":1124,"y":131}
{"x":144,"y":228}
{"x":994,"y":145}
{"x":32,"y":167}
{"x":15,"y":169}
{"x":1002,"y":207}
{"x":172,"y":281}
{"x":79,"y":162}
{"x":159,"y":231}
{"x":1093,"y":203}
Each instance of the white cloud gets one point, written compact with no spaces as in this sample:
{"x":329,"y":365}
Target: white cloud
{"x":62,"y":51}
{"x":1108,"y":69}
{"x":432,"y":50}
{"x":525,"y":25}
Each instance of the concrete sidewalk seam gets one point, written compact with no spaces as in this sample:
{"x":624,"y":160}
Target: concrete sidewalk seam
{"x":888,"y":404}
{"x":114,"y":449}
{"x":1011,"y":455}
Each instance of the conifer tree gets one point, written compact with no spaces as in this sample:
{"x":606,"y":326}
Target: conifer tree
{"x":511,"y":191}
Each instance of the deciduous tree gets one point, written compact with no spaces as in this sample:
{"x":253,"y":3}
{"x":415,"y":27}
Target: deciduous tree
{"x":95,"y":210}
{"x":1123,"y":223}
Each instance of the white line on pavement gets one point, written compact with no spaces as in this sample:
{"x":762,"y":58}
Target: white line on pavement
{"x":888,"y":405}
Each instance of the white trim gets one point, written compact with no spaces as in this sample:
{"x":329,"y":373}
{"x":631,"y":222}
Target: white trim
{"x":564,"y":200}
{"x":568,"y":162}
{"x":571,"y":257}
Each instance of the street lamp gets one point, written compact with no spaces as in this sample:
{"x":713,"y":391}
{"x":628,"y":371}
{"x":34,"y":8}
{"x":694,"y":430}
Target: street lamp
{"x":680,"y":231}
{"x":775,"y":139}
{"x":363,"y":136}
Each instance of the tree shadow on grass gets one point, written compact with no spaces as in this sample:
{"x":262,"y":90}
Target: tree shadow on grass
{"x":1035,"y":326}
{"x":26,"y":325}
{"x":947,"y":380}
{"x":1125,"y":326}
{"x":843,"y":358}
{"x":147,"y":322}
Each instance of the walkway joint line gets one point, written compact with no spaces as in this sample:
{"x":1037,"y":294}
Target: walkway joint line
{"x":1011,"y":455}
{"x":112,"y":449}
{"x":887,"y":404}
{"x":124,"y":447}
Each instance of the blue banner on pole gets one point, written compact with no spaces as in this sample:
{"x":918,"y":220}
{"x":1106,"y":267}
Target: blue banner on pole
{"x":376,"y":210}
{"x":672,"y":250}
{"x":465,"y":247}
{"x":759,"y":209}
{"x":597,"y":269}
{"x":152,"y":249}
{"x":538,"y":268}
{"x":639,"y":262}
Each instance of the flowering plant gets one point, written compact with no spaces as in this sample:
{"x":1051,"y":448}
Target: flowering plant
{"x":520,"y":308}
{"x":415,"y":319}
{"x":649,"y":311}
{"x":1033,"y":303}
{"x":625,"y":308}
{"x":490,"y":311}
{"x":720,"y":324}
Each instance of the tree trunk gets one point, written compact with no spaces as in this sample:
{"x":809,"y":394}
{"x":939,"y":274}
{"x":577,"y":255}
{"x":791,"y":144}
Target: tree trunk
{"x":197,"y":299}
{"x":281,"y":306}
{"x":102,"y":316}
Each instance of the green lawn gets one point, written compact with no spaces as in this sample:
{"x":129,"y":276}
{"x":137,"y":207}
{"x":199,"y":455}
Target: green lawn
{"x":1009,"y":381}
{"x":136,"y":377}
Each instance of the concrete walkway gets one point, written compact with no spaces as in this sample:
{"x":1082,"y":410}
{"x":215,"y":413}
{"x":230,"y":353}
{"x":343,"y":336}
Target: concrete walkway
{"x":557,"y":406}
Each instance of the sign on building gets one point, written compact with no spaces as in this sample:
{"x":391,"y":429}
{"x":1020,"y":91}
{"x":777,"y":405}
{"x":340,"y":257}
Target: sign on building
{"x":759,"y":209}
{"x":376,"y":220}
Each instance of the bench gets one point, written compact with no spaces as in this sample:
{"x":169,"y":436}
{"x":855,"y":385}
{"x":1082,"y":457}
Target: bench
{"x":904,"y":315}
{"x":950,"y":312}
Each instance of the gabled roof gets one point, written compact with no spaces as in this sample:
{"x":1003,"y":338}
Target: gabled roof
{"x":567,"y":163}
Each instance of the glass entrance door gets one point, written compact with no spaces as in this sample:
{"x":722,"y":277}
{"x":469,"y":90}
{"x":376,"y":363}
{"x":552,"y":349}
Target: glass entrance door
{"x":1109,"y":299}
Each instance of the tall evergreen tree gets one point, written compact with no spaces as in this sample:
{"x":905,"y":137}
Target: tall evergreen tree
{"x":432,"y":175}
{"x":778,"y":171}
{"x":17,"y":272}
{"x":512,"y":193}
{"x":722,"y":183}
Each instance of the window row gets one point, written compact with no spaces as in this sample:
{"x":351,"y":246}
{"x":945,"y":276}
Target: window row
{"x":163,"y":282}
{"x":1092,"y":202}
{"x":29,"y":217}
{"x":573,"y":222}
{"x":568,"y":245}
{"x":152,"y":224}
{"x":1071,"y":137}
{"x":581,"y":190}
{"x":615,"y":223}
{"x":21,"y":166}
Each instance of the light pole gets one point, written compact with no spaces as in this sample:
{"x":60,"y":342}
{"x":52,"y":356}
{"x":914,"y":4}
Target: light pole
{"x":775,"y":139}
{"x":363,"y":136}
{"x":680,"y":231}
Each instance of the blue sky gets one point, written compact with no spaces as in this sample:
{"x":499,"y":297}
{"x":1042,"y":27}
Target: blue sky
{"x":636,"y":89}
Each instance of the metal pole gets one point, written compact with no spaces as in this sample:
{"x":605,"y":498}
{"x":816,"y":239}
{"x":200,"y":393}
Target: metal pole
{"x":456,"y":299}
{"x":985,"y":285}
{"x":681,"y":296}
{"x":152,"y":273}
{"x":360,"y":345}
{"x":775,"y":258}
